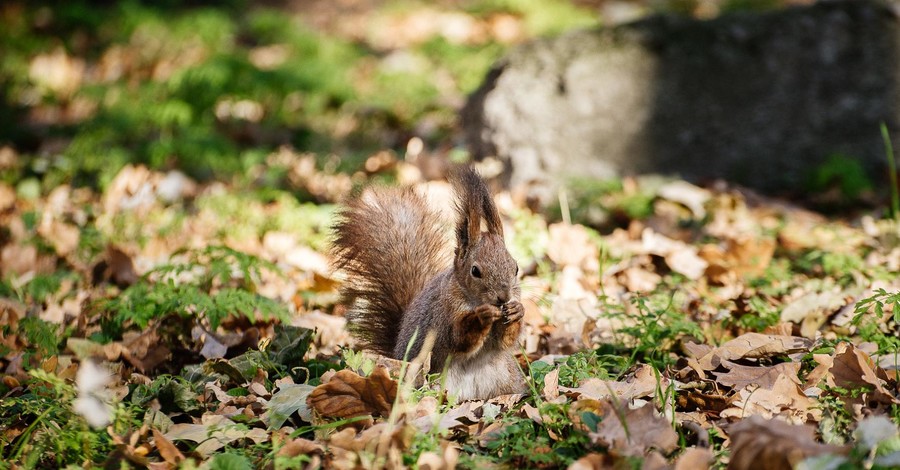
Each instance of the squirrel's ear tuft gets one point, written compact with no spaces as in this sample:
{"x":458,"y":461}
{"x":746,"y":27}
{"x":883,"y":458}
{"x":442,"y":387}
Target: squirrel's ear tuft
{"x":468,"y":227}
{"x":474,"y":197}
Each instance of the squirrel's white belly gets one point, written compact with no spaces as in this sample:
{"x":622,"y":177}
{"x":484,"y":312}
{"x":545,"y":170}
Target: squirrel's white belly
{"x":478,"y":377}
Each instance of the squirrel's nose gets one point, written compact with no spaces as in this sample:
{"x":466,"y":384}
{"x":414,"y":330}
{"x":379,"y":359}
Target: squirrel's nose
{"x":502,"y":299}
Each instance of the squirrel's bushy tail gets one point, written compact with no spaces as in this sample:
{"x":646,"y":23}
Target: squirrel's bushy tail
{"x":389,"y":244}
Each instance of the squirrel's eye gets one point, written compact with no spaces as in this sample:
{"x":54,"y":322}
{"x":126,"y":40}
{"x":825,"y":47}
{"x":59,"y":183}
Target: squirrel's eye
{"x":476,"y":272}
{"x":517,"y":270}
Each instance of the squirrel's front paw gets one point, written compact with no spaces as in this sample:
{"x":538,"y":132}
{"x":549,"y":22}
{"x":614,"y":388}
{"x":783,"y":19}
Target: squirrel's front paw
{"x":513,"y":311}
{"x":488,"y":314}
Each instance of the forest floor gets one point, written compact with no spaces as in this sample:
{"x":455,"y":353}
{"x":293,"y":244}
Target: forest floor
{"x":167,"y":183}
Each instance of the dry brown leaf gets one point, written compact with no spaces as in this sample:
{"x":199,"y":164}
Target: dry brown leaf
{"x":681,"y":257}
{"x":739,"y":376}
{"x":167,"y":449}
{"x":641,"y":383}
{"x":551,"y":385}
{"x":692,"y":197}
{"x":773,"y":444}
{"x":592,"y":461}
{"x":507,"y":401}
{"x":570,"y":245}
{"x":853,"y":369}
{"x":213,"y":433}
{"x":825,"y":362}
{"x":686,"y":261}
{"x":144,"y":350}
{"x":633,"y":432}
{"x":348,"y":395}
{"x":741,"y":257}
{"x":62,"y":236}
{"x":784,"y":399}
{"x":300,"y":446}
{"x":379,"y":435}
{"x":57,"y":73}
{"x":638,"y":279}
{"x":533,"y":414}
{"x":116,"y":266}
{"x":446,"y":460}
{"x":753,"y":346}
{"x":17,"y":260}
{"x":812,"y":310}
{"x":705,"y":402}
{"x":7,"y":197}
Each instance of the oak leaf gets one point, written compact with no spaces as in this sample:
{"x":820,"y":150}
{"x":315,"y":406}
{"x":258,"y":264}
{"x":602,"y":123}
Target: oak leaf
{"x":348,"y":395}
{"x":633,"y":432}
{"x":853,"y":369}
{"x":783,"y":399}
{"x":773,"y":444}
{"x":753,"y":346}
{"x":739,"y":376}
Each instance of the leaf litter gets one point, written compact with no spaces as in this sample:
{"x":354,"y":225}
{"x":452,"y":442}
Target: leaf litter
{"x":192,"y":321}
{"x":735,"y":342}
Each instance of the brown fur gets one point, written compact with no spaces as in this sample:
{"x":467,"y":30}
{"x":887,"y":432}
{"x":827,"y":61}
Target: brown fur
{"x":399,"y":287}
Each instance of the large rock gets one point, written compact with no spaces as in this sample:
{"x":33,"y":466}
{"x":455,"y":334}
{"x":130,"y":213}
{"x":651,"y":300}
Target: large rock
{"x":760,"y":99}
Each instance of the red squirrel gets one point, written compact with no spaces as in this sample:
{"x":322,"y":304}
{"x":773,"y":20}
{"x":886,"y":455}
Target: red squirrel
{"x":399,"y":286}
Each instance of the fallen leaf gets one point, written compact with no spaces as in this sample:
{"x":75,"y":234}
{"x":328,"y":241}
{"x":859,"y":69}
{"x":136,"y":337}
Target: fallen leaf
{"x":753,"y":346}
{"x":633,"y":432}
{"x":62,"y":236}
{"x":300,"y":446}
{"x":7,"y":197}
{"x":116,"y":266}
{"x":551,"y":385}
{"x":57,"y":72}
{"x":166,"y":449}
{"x":812,"y":310}
{"x":639,"y":279}
{"x":445,"y":460}
{"x":533,"y":414}
{"x":213,"y":433}
{"x":784,"y":399}
{"x":681,"y":257}
{"x":570,"y":245}
{"x":144,"y":350}
{"x":773,"y":444}
{"x":707,"y":402}
{"x":592,"y":461}
{"x":739,"y":376}
{"x":692,"y":197}
{"x":741,"y":257}
{"x":348,"y":395}
{"x":289,"y":399}
{"x":853,"y":369}
{"x":694,"y":458}
{"x":641,"y":383}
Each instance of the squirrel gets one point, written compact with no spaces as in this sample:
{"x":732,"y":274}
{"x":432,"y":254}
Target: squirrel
{"x":400,"y":284}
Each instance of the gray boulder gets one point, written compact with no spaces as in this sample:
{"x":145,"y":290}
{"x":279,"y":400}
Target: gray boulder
{"x":758,"y":99}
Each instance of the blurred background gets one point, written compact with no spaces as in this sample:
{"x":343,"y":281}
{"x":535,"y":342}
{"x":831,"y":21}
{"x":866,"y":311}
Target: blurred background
{"x":214,"y":88}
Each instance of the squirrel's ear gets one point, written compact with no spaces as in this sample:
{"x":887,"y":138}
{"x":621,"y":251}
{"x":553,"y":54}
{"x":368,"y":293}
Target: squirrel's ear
{"x":468,"y":229}
{"x":491,"y":216}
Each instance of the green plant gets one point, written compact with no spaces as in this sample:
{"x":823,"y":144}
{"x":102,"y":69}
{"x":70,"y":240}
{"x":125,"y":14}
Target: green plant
{"x":649,"y":333}
{"x":52,"y":434}
{"x":845,"y":173}
{"x":212,"y":284}
{"x":882,"y":329}
{"x":522,"y":443}
{"x":759,"y":316}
